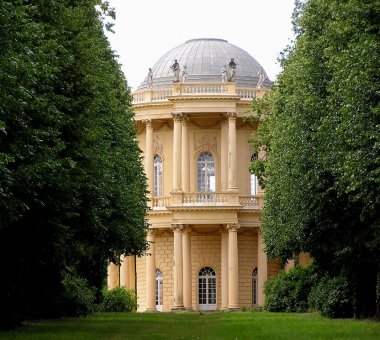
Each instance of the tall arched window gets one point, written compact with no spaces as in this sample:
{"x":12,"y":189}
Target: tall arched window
{"x":254,"y":181}
{"x":206,"y":172}
{"x":157,"y":175}
{"x":254,"y":287}
{"x":159,"y":290}
{"x":207,"y":289}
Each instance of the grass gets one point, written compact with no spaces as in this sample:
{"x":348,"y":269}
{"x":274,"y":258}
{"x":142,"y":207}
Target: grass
{"x":239,"y":325}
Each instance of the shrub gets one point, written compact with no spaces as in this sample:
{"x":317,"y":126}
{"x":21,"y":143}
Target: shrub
{"x":332,"y":297}
{"x":288,"y":291}
{"x":119,"y":299}
{"x":78,"y":296}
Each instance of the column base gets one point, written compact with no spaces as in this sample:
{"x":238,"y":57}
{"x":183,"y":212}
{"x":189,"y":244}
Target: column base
{"x":177,"y":308}
{"x":233,"y":308}
{"x":190,"y":309}
{"x":150,"y":310}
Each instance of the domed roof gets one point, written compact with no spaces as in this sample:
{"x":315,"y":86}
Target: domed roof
{"x":204,"y":59}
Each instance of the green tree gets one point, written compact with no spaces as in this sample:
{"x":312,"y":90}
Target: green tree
{"x":321,"y":132}
{"x":72,"y":186}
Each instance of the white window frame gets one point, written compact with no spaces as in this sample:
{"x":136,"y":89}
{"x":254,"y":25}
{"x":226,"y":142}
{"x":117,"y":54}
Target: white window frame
{"x":207,"y":298}
{"x":159,"y":290}
{"x":157,"y":178}
{"x":254,"y":180}
{"x":206,"y":179}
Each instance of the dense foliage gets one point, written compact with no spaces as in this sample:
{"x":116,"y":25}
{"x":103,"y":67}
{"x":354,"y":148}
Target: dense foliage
{"x":119,"y":299}
{"x":321,"y":134}
{"x":72,"y":188}
{"x":289,"y":290}
{"x":332,"y":297}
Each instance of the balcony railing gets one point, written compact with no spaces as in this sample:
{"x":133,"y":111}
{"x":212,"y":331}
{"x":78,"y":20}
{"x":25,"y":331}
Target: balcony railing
{"x":192,"y":89}
{"x":204,"y":199}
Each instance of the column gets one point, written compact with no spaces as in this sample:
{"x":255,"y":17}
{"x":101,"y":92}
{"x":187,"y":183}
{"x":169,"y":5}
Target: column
{"x":132,"y":272}
{"x":185,"y":157}
{"x":177,"y":148}
{"x":232,"y":182}
{"x":124,"y":272}
{"x":149,"y":154}
{"x":178,"y":267}
{"x":112,"y":276}
{"x":151,"y":274}
{"x":224,"y":263}
{"x":186,"y":247}
{"x":233,"y":267}
{"x":262,"y":270}
{"x":224,"y":154}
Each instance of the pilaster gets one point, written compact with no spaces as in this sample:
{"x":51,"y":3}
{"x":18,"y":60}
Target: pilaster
{"x":224,"y":271}
{"x":112,"y":276}
{"x":186,"y":245}
{"x":149,"y":154}
{"x":177,"y":148}
{"x":178,"y":267}
{"x":262,"y":270}
{"x":233,"y":267}
{"x":124,"y":272}
{"x":185,"y":156}
{"x":151,"y":273}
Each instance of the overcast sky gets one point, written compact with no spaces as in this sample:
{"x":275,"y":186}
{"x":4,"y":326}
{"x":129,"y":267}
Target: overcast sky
{"x":145,"y":30}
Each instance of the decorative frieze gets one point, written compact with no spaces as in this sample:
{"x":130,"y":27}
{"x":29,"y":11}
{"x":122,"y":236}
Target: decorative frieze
{"x":206,"y":142}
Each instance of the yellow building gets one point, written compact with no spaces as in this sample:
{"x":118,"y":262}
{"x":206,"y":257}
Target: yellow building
{"x":206,"y":250}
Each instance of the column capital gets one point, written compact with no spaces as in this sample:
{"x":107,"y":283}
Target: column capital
{"x":232,"y":227}
{"x":151,"y":232}
{"x":186,"y":229}
{"x":147,"y":122}
{"x":178,"y":227}
{"x":177,"y":116}
{"x":185,"y":120}
{"x":231,"y":115}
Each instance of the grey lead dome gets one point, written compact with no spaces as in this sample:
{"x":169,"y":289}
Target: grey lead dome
{"x":204,"y":59}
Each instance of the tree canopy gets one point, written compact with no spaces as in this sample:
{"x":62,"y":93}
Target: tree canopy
{"x":321,"y":135}
{"x":72,"y":185}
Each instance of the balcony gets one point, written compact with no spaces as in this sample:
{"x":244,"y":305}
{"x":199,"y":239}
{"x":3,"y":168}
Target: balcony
{"x":206,"y":199}
{"x":216,"y":89}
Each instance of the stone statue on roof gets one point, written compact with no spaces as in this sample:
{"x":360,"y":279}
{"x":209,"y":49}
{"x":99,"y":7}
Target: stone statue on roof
{"x":224,"y":74}
{"x":149,"y":78}
{"x":231,"y":70}
{"x":184,"y":74}
{"x":261,"y":75}
{"x":175,"y":68}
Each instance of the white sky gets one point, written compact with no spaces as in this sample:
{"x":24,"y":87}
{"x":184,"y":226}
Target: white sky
{"x":147,"y":29}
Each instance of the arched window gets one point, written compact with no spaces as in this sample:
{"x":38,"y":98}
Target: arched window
{"x":157,"y":175}
{"x":159,"y":290}
{"x":207,"y":289}
{"x":206,"y":172}
{"x":254,"y":287}
{"x":254,"y":181}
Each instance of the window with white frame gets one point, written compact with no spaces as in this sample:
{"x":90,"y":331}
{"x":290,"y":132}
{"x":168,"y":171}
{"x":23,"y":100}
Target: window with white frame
{"x":159,"y":290}
{"x":207,"y":289}
{"x":206,"y":172}
{"x":157,"y":175}
{"x":254,"y":181}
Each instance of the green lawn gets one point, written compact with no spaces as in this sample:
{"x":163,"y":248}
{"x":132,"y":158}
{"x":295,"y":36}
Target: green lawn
{"x":243,"y":325}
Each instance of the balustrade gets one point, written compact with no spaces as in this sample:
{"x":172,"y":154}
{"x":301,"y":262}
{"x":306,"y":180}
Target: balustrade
{"x":246,"y":93}
{"x":160,"y":202}
{"x":206,"y":198}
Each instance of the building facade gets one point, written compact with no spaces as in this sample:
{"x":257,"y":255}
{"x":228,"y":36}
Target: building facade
{"x":206,"y":250}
